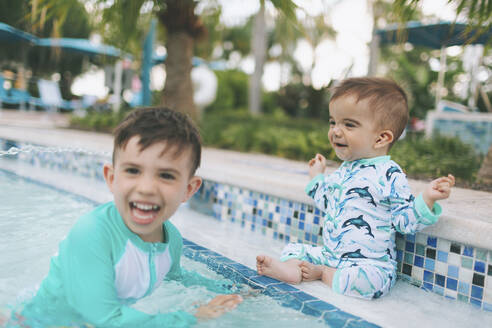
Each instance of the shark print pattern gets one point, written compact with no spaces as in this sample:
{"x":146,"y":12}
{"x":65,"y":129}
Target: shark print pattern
{"x":364,"y":202}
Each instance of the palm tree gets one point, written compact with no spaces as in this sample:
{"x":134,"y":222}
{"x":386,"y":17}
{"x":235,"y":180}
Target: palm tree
{"x":259,"y":48}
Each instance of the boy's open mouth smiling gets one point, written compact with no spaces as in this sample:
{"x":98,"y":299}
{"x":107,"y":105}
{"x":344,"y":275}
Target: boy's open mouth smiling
{"x":144,"y":213}
{"x":340,"y":145}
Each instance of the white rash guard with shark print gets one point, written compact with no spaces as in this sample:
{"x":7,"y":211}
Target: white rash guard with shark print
{"x":365,"y":201}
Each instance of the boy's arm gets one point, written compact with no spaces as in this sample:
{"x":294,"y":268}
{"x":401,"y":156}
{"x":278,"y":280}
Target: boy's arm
{"x":88,"y":276}
{"x":192,"y":278}
{"x":410,"y":214}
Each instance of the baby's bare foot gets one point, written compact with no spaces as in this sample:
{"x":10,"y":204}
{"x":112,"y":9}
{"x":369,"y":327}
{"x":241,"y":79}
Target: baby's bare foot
{"x":311,"y":271}
{"x":288,"y":271}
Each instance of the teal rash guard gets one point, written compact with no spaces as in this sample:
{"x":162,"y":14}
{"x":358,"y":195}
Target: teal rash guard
{"x":102,"y":267}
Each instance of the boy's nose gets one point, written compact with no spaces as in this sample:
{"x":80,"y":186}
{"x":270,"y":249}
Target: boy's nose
{"x":145,"y":185}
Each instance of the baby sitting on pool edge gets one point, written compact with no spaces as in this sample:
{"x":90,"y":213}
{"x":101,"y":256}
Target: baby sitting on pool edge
{"x":365,"y":201}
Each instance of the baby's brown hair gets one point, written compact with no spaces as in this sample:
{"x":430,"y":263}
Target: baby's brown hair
{"x":385,"y":98}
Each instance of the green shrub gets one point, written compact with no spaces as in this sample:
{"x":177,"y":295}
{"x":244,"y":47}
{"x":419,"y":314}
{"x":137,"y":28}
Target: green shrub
{"x":232,"y":91}
{"x":429,"y":158}
{"x":301,"y":139}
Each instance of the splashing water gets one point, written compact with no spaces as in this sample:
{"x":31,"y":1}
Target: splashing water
{"x":12,"y":151}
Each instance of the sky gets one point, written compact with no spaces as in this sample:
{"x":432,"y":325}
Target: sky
{"x":332,"y":59}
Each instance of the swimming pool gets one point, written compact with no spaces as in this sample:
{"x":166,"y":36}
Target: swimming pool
{"x":240,"y":242}
{"x":35,"y":217}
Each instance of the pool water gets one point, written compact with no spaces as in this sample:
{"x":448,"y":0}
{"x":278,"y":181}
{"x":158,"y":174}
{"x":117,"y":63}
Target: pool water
{"x":35,"y":218}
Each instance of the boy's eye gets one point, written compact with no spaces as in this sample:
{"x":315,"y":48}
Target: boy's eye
{"x":131,"y":170}
{"x":166,"y":176}
{"x":331,"y":122}
{"x":350,"y":125}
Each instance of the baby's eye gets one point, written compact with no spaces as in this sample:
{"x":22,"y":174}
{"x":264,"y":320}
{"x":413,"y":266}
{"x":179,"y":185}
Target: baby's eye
{"x":166,"y":176}
{"x":350,"y":125}
{"x":331,"y":122}
{"x":132,"y":170}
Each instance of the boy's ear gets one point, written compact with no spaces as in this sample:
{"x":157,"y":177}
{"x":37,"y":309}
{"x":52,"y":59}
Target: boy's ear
{"x":193,"y":185}
{"x":385,"y":138}
{"x":108,"y":172}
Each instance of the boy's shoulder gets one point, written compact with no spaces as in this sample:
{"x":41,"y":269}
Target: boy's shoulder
{"x":100,"y":219}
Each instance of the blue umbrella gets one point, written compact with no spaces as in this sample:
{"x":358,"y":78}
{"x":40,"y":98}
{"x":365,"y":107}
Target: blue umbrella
{"x":436,"y":36}
{"x":82,"y":46}
{"x":11,"y":34}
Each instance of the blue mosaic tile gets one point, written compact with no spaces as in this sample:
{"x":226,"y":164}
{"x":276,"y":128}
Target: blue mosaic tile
{"x":487,"y":306}
{"x":304,"y":297}
{"x":440,"y":279}
{"x":442,"y":256}
{"x":399,"y":255}
{"x":476,"y":302}
{"x":428,"y":276}
{"x":453,"y":271}
{"x":316,"y":308}
{"x":338,"y":319}
{"x":360,"y":324}
{"x":429,"y":264}
{"x":463,"y":288}
{"x":468,"y":251}
{"x":438,"y":290}
{"x":410,"y":238}
{"x":284,"y":287}
{"x":479,"y":266}
{"x":452,"y":284}
{"x":419,"y":261}
{"x":304,"y":226}
{"x":476,"y":292}
{"x":427,"y":286}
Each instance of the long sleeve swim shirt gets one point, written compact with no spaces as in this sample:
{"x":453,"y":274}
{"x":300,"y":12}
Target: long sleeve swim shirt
{"x":101,"y":268}
{"x":365,"y":202}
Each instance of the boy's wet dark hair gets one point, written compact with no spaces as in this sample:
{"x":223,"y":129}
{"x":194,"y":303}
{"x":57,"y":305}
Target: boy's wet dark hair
{"x":157,"y":124}
{"x":384,"y":97}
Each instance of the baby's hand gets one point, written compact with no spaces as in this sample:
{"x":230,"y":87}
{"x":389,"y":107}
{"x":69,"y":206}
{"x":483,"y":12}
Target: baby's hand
{"x":438,"y":189}
{"x":317,"y":165}
{"x":218,"y":306}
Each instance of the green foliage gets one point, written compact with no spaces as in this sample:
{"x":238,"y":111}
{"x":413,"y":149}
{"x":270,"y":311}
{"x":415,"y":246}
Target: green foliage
{"x":411,"y":69}
{"x":300,"y":100}
{"x":301,"y":139}
{"x":232,"y":91}
{"x":429,"y":158}
{"x":284,"y":137}
{"x":98,"y":121}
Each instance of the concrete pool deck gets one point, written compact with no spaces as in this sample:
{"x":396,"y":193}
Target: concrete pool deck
{"x":466,"y":218}
{"x":285,"y":178}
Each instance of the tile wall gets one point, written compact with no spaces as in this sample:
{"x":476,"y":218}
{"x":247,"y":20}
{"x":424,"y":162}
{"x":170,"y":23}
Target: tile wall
{"x":447,"y":268}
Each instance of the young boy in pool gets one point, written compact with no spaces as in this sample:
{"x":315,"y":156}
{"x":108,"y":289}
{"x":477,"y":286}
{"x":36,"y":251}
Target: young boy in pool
{"x":365,"y":200}
{"x":122,"y":250}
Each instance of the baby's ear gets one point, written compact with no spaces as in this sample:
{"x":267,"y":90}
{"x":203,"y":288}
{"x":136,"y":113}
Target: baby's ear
{"x":193,"y":185}
{"x":385,"y":138}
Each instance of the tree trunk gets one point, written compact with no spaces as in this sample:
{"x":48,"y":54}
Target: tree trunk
{"x":178,"y":89}
{"x":485,"y":173}
{"x":259,"y":46}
